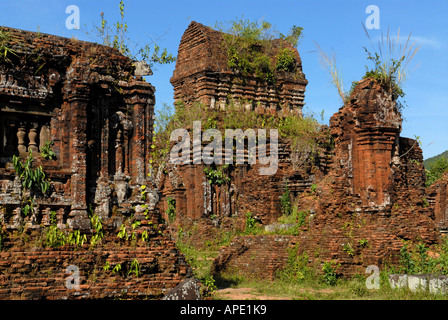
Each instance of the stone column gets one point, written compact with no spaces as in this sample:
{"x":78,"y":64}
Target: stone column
{"x":119,"y":153}
{"x":44,"y":136}
{"x":78,"y":102}
{"x":138,"y":144}
{"x":21,"y":134}
{"x":140,"y":97}
{"x":32,"y":135}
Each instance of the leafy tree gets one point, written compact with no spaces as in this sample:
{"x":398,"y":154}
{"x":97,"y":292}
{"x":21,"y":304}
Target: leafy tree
{"x":436,"y":170}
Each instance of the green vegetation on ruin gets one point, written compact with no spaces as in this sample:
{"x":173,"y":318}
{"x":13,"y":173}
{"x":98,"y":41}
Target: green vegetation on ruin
{"x":300,"y":280}
{"x":118,"y":37}
{"x":436,"y":167}
{"x":250,"y":49}
{"x":300,"y":132}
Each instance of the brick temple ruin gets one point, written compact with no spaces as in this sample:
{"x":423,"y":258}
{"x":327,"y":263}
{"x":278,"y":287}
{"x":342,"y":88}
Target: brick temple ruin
{"x":365,"y":185}
{"x":88,"y":100}
{"x":202,"y":75}
{"x":85,"y":99}
{"x":364,"y":182}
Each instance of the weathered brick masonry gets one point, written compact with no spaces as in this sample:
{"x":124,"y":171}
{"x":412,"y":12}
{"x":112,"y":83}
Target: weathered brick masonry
{"x":255,"y":256}
{"x":40,"y":273}
{"x":202,"y":74}
{"x":362,"y":185}
{"x":372,"y":197}
{"x":368,"y":186}
{"x":87,"y":100}
{"x":438,"y":201}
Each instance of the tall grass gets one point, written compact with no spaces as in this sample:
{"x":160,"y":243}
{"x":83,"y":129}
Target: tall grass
{"x":328,"y":61}
{"x":391,"y":60}
{"x":6,"y":41}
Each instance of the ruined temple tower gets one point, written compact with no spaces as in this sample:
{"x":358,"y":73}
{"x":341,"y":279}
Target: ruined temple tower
{"x":96,"y":111}
{"x":85,"y":99}
{"x":202,"y":74}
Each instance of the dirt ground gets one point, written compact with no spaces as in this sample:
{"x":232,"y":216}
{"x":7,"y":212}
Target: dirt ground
{"x":245,"y":294}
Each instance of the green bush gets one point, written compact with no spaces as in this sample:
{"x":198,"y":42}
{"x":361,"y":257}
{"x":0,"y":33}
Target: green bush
{"x":386,"y":74}
{"x":300,"y":131}
{"x":415,"y":259}
{"x":118,"y":38}
{"x":171,"y":211}
{"x":329,"y":269}
{"x":286,"y":60}
{"x":217,"y":176}
{"x":47,"y":151}
{"x":134,"y":268}
{"x":250,"y":222}
{"x":55,"y":237}
{"x":97,"y":227}
{"x":390,"y":62}
{"x":32,"y":179}
{"x":296,"y":269}
{"x":6,"y":41}
{"x":250,"y":51}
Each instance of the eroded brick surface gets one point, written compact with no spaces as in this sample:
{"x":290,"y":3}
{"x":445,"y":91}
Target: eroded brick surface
{"x":438,"y":201}
{"x":364,"y":190}
{"x":363,"y":194}
{"x":372,"y":197}
{"x":202,"y":74}
{"x":85,"y":98}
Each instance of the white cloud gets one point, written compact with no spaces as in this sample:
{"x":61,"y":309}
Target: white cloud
{"x":426,"y":41}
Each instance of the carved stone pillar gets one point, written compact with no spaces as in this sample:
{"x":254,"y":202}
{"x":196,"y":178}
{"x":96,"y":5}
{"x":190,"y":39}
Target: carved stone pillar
{"x":32,"y":146}
{"x":44,"y":136}
{"x":140,"y":98}
{"x":78,"y":103}
{"x":21,"y":133}
{"x":119,"y":153}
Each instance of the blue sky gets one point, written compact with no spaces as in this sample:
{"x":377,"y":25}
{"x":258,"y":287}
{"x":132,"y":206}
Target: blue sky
{"x":334,"y":25}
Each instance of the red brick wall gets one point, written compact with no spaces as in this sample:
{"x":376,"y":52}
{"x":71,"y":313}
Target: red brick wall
{"x":100,"y":116}
{"x":372,"y":197}
{"x":202,"y":74}
{"x":438,"y":201}
{"x":41,"y":273}
{"x":259,"y":257}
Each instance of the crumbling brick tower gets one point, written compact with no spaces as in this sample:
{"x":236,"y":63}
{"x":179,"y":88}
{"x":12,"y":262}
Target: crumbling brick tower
{"x":370,"y":200}
{"x":375,"y":189}
{"x":85,"y":99}
{"x":202,"y":74}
